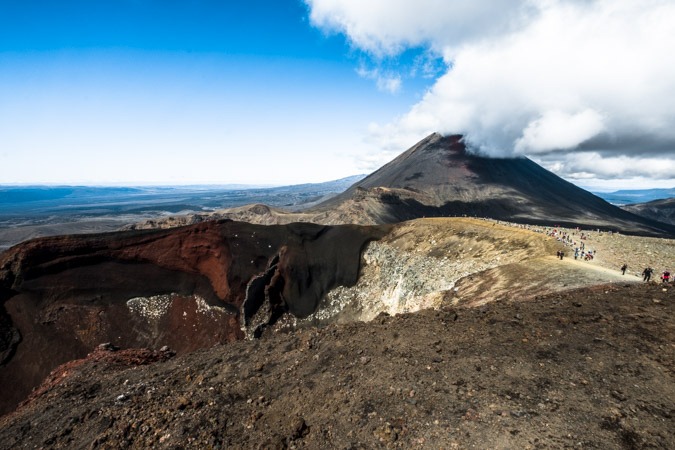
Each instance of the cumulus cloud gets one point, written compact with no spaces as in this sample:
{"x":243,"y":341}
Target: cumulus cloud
{"x":386,"y":27}
{"x":532,"y":77}
{"x":592,"y":165}
{"x":557,"y":130}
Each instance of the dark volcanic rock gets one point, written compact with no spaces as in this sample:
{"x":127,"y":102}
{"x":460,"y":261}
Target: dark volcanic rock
{"x":560,"y":376}
{"x":438,"y":177}
{"x":184,"y":287}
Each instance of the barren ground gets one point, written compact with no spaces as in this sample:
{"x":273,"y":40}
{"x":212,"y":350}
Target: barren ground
{"x":516,"y":355}
{"x":588,"y":368}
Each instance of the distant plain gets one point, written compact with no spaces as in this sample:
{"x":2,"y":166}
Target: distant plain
{"x":28,"y":212}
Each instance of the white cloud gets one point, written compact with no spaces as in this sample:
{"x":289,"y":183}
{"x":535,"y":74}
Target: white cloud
{"x":531,"y":76}
{"x":388,"y":82}
{"x":592,"y":165}
{"x":556,"y":130}
{"x":386,"y":27}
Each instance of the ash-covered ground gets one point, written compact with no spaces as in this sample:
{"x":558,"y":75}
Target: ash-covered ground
{"x":585,"y":368}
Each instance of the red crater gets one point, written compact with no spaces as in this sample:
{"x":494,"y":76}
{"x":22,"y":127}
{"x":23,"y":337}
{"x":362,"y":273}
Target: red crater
{"x":60,"y":297}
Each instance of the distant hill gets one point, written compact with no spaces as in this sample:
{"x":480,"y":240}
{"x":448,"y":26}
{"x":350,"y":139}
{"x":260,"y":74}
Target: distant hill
{"x":661,"y":210}
{"x":33,"y":211}
{"x":38,"y":201}
{"x":654,"y":204}
{"x":626,"y":197}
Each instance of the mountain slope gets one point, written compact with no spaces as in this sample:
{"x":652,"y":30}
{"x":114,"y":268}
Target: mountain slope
{"x":661,"y":210}
{"x":438,"y":177}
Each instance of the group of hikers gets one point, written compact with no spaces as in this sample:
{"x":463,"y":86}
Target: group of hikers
{"x":566,"y":238}
{"x":577,"y":239}
{"x":580,"y":251}
{"x":585,"y":255}
{"x":648,"y":272}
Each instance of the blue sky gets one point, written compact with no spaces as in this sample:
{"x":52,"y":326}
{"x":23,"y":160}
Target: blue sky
{"x":126,"y":91}
{"x":294,"y":91}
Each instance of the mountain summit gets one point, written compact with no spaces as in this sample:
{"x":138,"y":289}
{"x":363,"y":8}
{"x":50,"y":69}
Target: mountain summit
{"x":439,"y":177}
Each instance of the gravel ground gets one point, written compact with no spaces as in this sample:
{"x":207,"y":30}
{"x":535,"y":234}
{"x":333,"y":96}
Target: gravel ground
{"x":513,"y":354}
{"x":585,"y":368}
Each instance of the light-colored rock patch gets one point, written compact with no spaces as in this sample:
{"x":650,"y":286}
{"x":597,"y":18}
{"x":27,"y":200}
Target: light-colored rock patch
{"x":151,"y":308}
{"x":419,"y":264}
{"x":206,"y":309}
{"x":397,"y":281}
{"x":155,"y":307}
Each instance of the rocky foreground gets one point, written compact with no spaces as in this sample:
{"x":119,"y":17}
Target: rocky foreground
{"x":510,"y":346}
{"x":585,"y":368}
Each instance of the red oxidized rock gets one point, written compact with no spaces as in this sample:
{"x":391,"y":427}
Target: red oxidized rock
{"x":60,"y":297}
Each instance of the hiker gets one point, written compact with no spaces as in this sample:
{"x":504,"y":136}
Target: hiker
{"x":623,"y":269}
{"x":647,"y":274}
{"x":665,"y":277}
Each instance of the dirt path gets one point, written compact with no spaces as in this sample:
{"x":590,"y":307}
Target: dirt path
{"x":607,"y":274}
{"x":530,"y":279}
{"x":612,"y":250}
